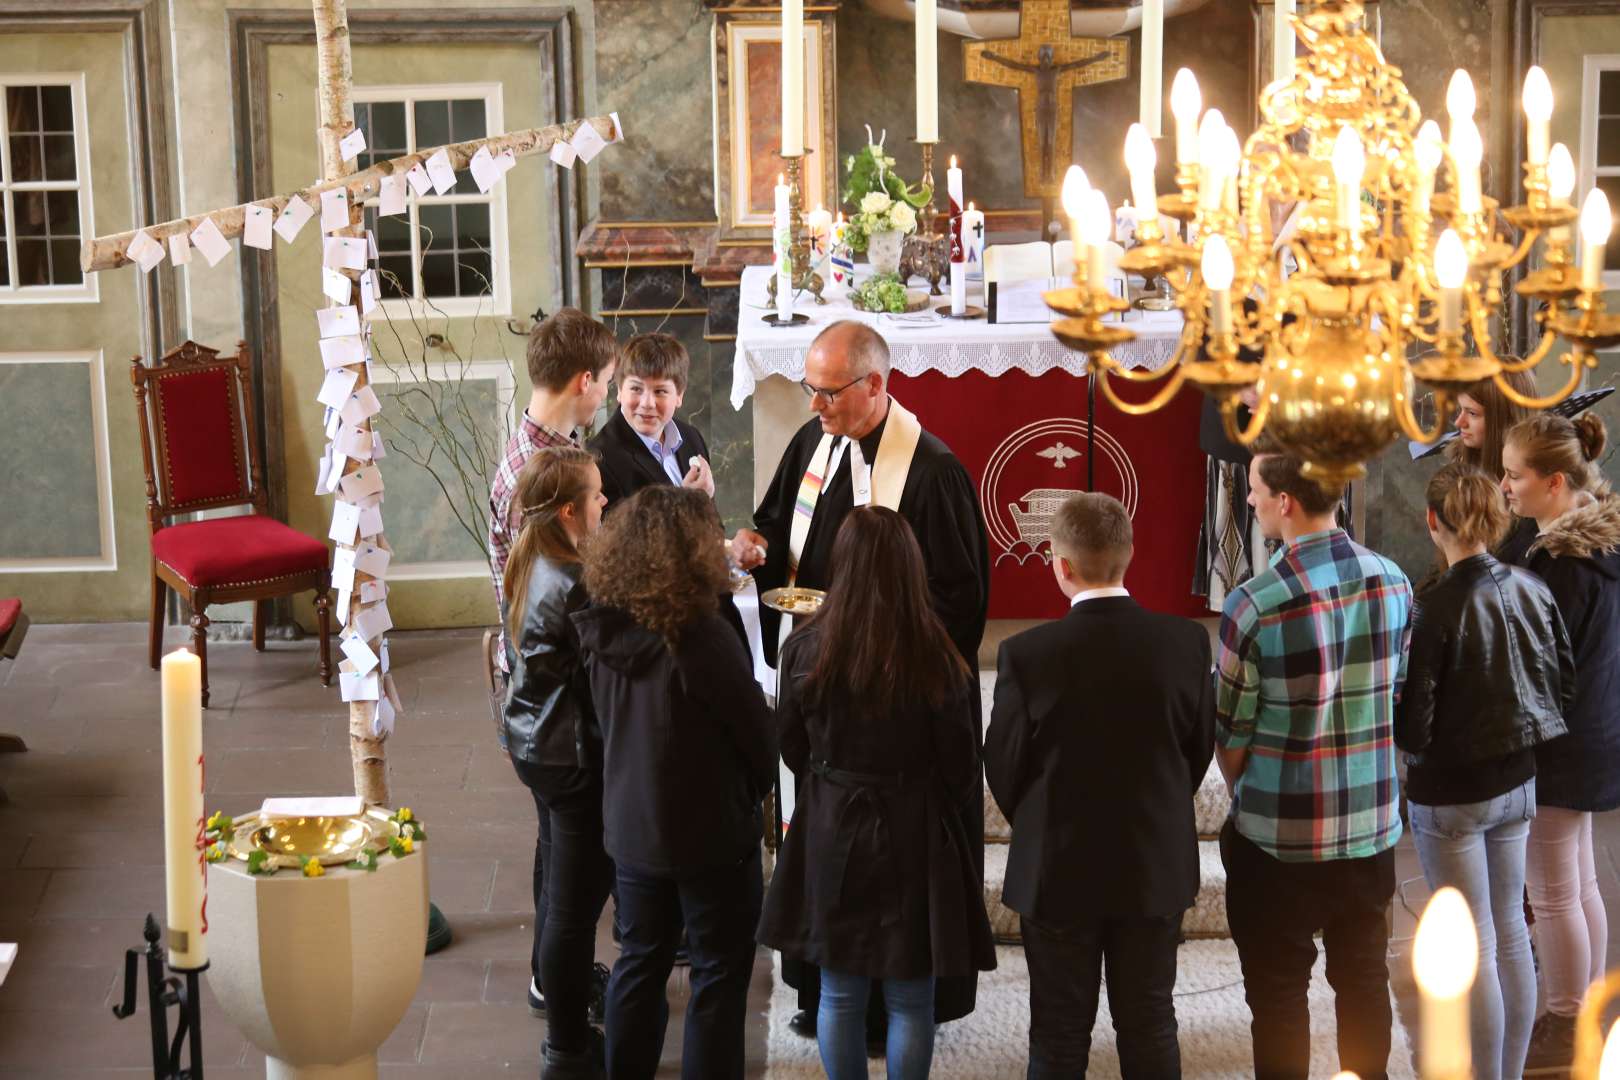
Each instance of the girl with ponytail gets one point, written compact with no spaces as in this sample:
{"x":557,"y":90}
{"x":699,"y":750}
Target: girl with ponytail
{"x":1551,"y":474}
{"x":1489,"y":666}
{"x":550,"y":731}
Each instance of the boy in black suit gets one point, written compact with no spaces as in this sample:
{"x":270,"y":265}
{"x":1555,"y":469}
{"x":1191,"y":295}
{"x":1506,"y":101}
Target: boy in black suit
{"x":1102,"y":728}
{"x":644,"y":443}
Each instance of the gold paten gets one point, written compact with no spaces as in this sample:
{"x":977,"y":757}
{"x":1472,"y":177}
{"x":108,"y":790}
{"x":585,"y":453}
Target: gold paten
{"x":793,"y":600}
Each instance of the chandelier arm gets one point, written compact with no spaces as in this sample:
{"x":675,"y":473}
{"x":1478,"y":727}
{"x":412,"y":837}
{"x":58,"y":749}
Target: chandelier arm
{"x":1137,"y":375}
{"x":1549,"y":338}
{"x":1409,"y":421}
{"x":1257,"y":420}
{"x":1157,"y":402}
{"x":1479,"y":324}
{"x":1520,"y":252}
{"x":1576,"y":362}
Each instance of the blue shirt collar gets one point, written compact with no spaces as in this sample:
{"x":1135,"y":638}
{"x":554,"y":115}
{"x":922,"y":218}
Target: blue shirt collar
{"x":655,"y":446}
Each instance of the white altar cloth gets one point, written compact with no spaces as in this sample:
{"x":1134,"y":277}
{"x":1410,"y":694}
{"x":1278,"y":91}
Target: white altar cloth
{"x":925,"y":341}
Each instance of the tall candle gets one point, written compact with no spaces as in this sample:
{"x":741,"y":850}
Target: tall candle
{"x":1538,"y":106}
{"x":1140,"y":161}
{"x":185,"y":868}
{"x":927,"y":72}
{"x":1466,"y":152}
{"x":1217,"y":270}
{"x":782,"y":240}
{"x":1212,"y":181}
{"x":1595,"y":225}
{"x":1445,"y":959}
{"x":1152,"y":66}
{"x":1428,"y":150}
{"x":1349,"y":163}
{"x":1073,"y":197}
{"x":1450,"y":271}
{"x":792,"y":77}
{"x":1186,"y":103}
{"x":1460,"y":101}
{"x":1282,"y":41}
{"x":953,"y":190}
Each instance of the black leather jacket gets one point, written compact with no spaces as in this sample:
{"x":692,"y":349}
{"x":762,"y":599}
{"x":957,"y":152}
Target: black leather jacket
{"x":1491,"y":670}
{"x":548,"y":717}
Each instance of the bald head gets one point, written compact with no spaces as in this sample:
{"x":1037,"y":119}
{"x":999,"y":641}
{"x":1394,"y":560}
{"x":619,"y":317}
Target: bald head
{"x":855,"y":348}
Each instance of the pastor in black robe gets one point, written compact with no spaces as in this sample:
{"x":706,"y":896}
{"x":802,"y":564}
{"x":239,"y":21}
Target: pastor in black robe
{"x":942,"y":507}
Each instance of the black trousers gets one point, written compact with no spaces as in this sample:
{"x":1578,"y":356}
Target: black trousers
{"x":719,"y":910}
{"x":1067,"y":963}
{"x":530,"y":775}
{"x":1274,"y":908}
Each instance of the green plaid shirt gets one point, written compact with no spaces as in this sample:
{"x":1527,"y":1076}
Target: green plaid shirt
{"x":1312,"y":655}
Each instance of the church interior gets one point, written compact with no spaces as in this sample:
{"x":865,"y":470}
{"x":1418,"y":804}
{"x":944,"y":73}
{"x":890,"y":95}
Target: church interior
{"x":439,"y":181}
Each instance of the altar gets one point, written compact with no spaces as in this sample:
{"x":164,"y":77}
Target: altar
{"x":1010,"y":401}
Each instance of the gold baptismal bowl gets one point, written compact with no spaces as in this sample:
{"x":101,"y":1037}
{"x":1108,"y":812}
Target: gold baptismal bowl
{"x":331,"y":841}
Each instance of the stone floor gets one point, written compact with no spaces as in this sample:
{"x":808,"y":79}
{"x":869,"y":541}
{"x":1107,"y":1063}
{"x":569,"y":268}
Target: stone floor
{"x":81,"y":858}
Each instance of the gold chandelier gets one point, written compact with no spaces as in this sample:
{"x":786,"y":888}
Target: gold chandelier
{"x":1381,"y":277}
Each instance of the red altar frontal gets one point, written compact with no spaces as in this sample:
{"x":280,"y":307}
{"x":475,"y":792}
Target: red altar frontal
{"x":1023,"y":440}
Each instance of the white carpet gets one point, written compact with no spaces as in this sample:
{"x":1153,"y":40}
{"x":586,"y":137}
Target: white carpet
{"x":993,"y":1043}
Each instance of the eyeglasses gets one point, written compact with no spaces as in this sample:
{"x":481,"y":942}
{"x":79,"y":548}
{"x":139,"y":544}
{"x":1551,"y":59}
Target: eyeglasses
{"x":812,"y":392}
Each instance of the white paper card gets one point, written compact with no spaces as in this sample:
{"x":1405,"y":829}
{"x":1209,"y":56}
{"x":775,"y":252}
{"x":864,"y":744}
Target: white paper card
{"x":293,"y":217}
{"x":333,"y":420}
{"x":345,"y":521}
{"x":440,"y":172}
{"x":361,"y":405}
{"x":342,"y":351}
{"x":144,"y":251}
{"x":420,"y":181}
{"x":207,"y":239}
{"x":335,"y":285}
{"x":382,"y":722}
{"x":179,"y":249}
{"x":484,"y":170}
{"x":344,"y":252}
{"x":372,"y":559}
{"x":360,"y":483}
{"x":391,"y":199}
{"x":343,"y":599}
{"x":338,"y":388}
{"x":256,"y":225}
{"x":382,"y":654}
{"x":563,"y":154}
{"x":314,"y":806}
{"x":322,"y":467}
{"x":378,"y":450}
{"x":507,"y":161}
{"x":358,"y":687}
{"x":334,"y":473}
{"x":373,"y":622}
{"x":587,"y":143}
{"x":355,"y":442}
{"x":359,"y":654}
{"x":352,"y":144}
{"x":337,"y":321}
{"x":334,"y":209}
{"x":618,"y":128}
{"x":370,"y":292}
{"x":370,"y":593}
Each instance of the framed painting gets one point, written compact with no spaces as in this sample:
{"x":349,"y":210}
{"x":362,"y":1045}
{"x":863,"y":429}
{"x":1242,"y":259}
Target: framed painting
{"x":748,"y":122}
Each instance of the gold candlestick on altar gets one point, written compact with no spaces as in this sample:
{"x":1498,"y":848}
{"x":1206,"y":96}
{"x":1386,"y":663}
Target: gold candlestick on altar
{"x":804,"y":276}
{"x":925,"y":254}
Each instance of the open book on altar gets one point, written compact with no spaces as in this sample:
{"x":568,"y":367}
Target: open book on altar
{"x":1017,"y":275}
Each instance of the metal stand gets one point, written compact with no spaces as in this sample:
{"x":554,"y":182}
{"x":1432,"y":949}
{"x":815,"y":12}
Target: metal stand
{"x":804,"y":276}
{"x":163,"y":991}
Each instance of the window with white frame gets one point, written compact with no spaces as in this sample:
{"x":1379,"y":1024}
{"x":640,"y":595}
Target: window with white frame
{"x":44,"y":189}
{"x":445,"y":250}
{"x":1600,"y":145}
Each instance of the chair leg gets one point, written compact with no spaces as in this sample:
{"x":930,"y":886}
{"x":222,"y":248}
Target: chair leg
{"x":199,"y":643}
{"x":261,"y":615}
{"x":323,"y":616}
{"x":154,"y":632}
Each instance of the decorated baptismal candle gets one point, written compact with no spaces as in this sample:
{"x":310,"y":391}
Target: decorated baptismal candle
{"x":185,"y":867}
{"x":782,"y":248}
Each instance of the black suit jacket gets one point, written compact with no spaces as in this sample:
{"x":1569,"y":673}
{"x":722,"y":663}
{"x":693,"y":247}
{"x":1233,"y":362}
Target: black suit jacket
{"x":626,"y":463}
{"x":1102,"y":729}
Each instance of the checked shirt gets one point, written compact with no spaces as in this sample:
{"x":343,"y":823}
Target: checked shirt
{"x":1312,"y":655}
{"x":529,"y":439}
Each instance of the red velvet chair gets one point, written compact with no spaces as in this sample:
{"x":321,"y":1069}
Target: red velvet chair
{"x":197,"y":404}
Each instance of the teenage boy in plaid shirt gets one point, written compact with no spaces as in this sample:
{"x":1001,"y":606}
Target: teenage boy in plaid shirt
{"x":1312,"y":654}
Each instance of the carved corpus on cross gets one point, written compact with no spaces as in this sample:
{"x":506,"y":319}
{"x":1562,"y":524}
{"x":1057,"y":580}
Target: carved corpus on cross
{"x":1045,"y":63}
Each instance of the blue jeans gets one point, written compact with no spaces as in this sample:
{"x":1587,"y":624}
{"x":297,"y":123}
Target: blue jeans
{"x":1479,"y":849}
{"x":841,"y":1025}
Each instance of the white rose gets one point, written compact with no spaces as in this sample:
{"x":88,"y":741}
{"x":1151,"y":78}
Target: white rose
{"x":904,"y":217}
{"x":874,"y":202}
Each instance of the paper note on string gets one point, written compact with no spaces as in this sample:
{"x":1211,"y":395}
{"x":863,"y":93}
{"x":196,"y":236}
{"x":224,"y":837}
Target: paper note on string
{"x":420,"y":181}
{"x":179,"y":248}
{"x":360,"y":483}
{"x":486,"y":174}
{"x":563,"y":154}
{"x":361,"y":405}
{"x":441,"y":173}
{"x":345,"y":522}
{"x":256,"y":224}
{"x":359,"y":654}
{"x":344,"y":252}
{"x":337,"y":321}
{"x":373,"y":622}
{"x":338,"y":388}
{"x":352,"y":145}
{"x":342,"y":351}
{"x":335,"y":285}
{"x":144,"y":251}
{"x":391,"y":197}
{"x":293,"y":217}
{"x":334,"y":209}
{"x":587,"y":143}
{"x":207,"y":239}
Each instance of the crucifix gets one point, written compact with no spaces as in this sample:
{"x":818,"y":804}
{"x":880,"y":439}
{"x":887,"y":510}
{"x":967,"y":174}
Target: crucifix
{"x":1045,"y":63}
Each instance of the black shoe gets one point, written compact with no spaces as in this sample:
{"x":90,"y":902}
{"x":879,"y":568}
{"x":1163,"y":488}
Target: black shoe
{"x":587,"y":1064}
{"x":1552,"y":1046}
{"x":599,"y":982}
{"x":803,"y":1024}
{"x":537,"y":1000}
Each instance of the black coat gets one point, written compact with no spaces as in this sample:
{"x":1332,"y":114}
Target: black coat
{"x":1490,"y":671}
{"x":548,"y":718}
{"x":877,"y":875}
{"x":1102,"y":729}
{"x":689,"y":747}
{"x":1578,"y":556}
{"x":628,"y":466}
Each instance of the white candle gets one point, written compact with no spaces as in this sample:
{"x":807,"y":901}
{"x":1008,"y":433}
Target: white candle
{"x":1595,"y":224}
{"x":1096,"y":224}
{"x":1428,"y":150}
{"x":1466,"y":152}
{"x":1445,"y":959}
{"x":1450,"y":271}
{"x":1212,"y":182}
{"x":1349,"y":163}
{"x":953,"y":191}
{"x":1560,"y":186}
{"x":792,"y":77}
{"x":782,"y":238}
{"x":185,"y":868}
{"x":973,"y":235}
{"x":1073,"y":197}
{"x":1152,"y":66}
{"x":927,"y":72}
{"x":1538,"y":106}
{"x":1460,"y":101}
{"x":818,"y":223}
{"x":1282,"y":41}
{"x":1216,"y":266}
{"x":1186,"y":103}
{"x":1140,"y":161}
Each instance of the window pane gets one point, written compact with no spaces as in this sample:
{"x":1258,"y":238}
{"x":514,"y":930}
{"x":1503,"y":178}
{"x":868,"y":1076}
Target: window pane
{"x":439,"y":275}
{"x":393,"y":233}
{"x":22,"y":108}
{"x":63,"y":207}
{"x":33,"y":263}
{"x":1611,"y":188}
{"x":57,"y":107}
{"x":432,"y":124}
{"x":467,"y":120}
{"x":395,"y":272}
{"x":30,"y":210}
{"x":1609,"y":93}
{"x":65,"y":263}
{"x":59,"y":163}
{"x":473,"y":275}
{"x":438,"y":227}
{"x":5,"y":267}
{"x":27,"y":158}
{"x":472,"y":227}
{"x":1608,"y":141}
{"x":388,"y":128}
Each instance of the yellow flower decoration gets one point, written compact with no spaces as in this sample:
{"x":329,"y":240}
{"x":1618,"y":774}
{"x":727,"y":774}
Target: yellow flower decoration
{"x":313,"y":868}
{"x":404,"y":814}
{"x":215,"y":853}
{"x":406,"y":844}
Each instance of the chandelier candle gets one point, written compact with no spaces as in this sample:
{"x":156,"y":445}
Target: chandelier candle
{"x":1538,"y":106}
{"x":1217,"y":269}
{"x":1595,"y":225}
{"x":1445,"y":959}
{"x":1349,"y":163}
{"x":1073,"y":197}
{"x":1186,"y":103}
{"x":927,"y":72}
{"x":185,"y":869}
{"x":1450,"y":271}
{"x":1466,"y":153}
{"x":1212,"y":182}
{"x":1560,"y":186}
{"x":953,"y":191}
{"x":1428,"y":149}
{"x":792,"y":78}
{"x":1096,"y":223}
{"x":1459,"y":101}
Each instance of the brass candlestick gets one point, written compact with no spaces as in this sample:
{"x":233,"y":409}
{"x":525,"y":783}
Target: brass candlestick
{"x":804,"y":276}
{"x":925,"y":254}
